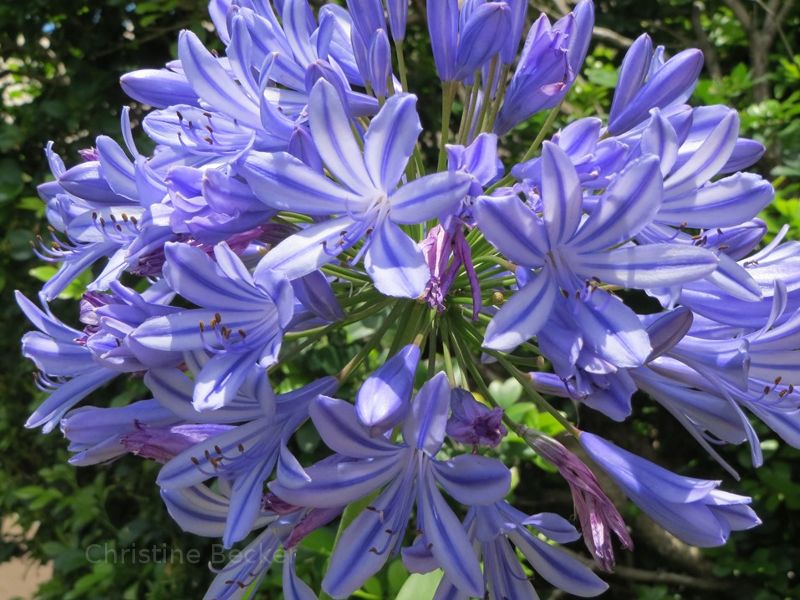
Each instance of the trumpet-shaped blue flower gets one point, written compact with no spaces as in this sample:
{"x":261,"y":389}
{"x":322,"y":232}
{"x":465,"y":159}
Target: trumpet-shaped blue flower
{"x":692,"y":509}
{"x":241,"y":319}
{"x":366,"y":202}
{"x":405,"y":474}
{"x":569,"y":252}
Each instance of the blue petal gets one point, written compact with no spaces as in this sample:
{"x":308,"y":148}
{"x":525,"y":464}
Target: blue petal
{"x":333,"y":137}
{"x":449,"y":543}
{"x":425,"y":426}
{"x":199,"y":463}
{"x":390,"y":140}
{"x":339,"y":482}
{"x":384,"y":398}
{"x":634,"y":69}
{"x":212,"y":83}
{"x":561,"y":194}
{"x":338,"y":427}
{"x":630,"y":203}
{"x":293,"y":587}
{"x":482,"y":37}
{"x":612,"y":330}
{"x":246,"y":496}
{"x":443,"y":28}
{"x":307,"y":250}
{"x":648,"y":266}
{"x":428,"y":197}
{"x":48,"y":414}
{"x":220,"y":379}
{"x":521,"y":317}
{"x":709,"y":158}
{"x":473,"y":479}
{"x":284,"y":183}
{"x":512,"y":228}
{"x":158,"y":88}
{"x":557,"y":567}
{"x":723,"y":203}
{"x":369,"y":540}
{"x":395,"y":263}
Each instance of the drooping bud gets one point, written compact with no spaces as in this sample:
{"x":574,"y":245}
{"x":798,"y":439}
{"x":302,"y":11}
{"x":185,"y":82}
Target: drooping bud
{"x":598,"y":516}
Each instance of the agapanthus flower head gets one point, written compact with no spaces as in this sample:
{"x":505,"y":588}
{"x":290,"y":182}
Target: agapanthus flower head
{"x":291,"y":203}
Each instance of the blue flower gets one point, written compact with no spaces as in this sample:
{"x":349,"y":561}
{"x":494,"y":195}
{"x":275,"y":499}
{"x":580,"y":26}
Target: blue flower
{"x":694,"y":510}
{"x":241,"y":319}
{"x":569,"y":252}
{"x":404,"y":474}
{"x":366,"y":203}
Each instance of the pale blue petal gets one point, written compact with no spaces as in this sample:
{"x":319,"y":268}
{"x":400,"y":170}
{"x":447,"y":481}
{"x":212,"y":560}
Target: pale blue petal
{"x":307,"y":250}
{"x":449,"y":543}
{"x":213,"y":83}
{"x":428,"y":197}
{"x":557,"y":567}
{"x":395,"y":263}
{"x":341,"y":431}
{"x":390,"y":140}
{"x":561,"y":194}
{"x":282,"y":182}
{"x":513,"y":228}
{"x":473,"y":479}
{"x":649,"y":266}
{"x":337,"y":483}
{"x":522,"y":315}
{"x":425,"y":426}
{"x":724,"y":203}
{"x":334,"y":139}
{"x":630,"y":203}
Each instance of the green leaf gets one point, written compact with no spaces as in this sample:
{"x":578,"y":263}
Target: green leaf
{"x":420,"y":586}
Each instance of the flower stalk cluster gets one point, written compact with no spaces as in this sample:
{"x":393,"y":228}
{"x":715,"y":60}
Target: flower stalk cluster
{"x":288,"y":196}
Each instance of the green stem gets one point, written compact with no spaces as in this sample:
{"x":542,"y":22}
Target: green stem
{"x":432,"y":347}
{"x":448,"y":93}
{"x":374,"y":341}
{"x":498,"y":99}
{"x":487,"y":88}
{"x":469,"y":111}
{"x":448,"y":361}
{"x":401,"y":64}
{"x":540,"y":402}
{"x":345,"y":273}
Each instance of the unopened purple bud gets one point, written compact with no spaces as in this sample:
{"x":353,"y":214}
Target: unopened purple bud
{"x":482,"y":38}
{"x":511,"y":41}
{"x":158,"y":88}
{"x":367,"y":17}
{"x":473,"y":423}
{"x":398,"y":15}
{"x":89,"y":304}
{"x":645,"y":84}
{"x":384,"y":398}
{"x":380,"y":63}
{"x":314,"y":293}
{"x":164,"y":443}
{"x":598,"y":516}
{"x":443,"y":28}
{"x":302,"y":146}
